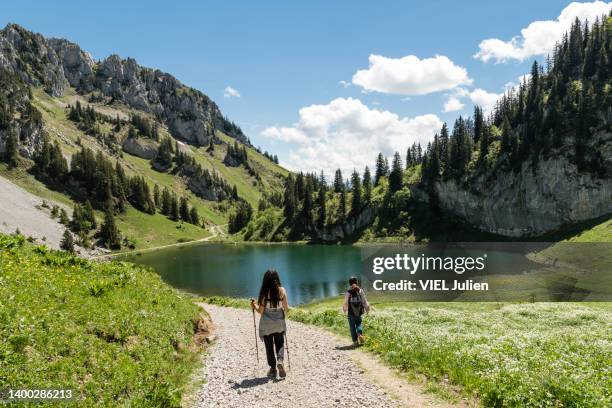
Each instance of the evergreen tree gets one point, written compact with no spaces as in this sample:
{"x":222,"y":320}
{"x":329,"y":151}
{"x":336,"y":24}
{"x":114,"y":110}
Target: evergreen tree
{"x":174,"y":208}
{"x":109,"y":233}
{"x":289,"y":201}
{"x":64,"y":217}
{"x":157,"y":197}
{"x":240,"y":218}
{"x":321,"y":203}
{"x":395,"y":177}
{"x":444,"y":147}
{"x":67,"y":243}
{"x":341,"y":216}
{"x":338,"y":181}
{"x":356,"y":201}
{"x":166,"y":202}
{"x":194,"y":216}
{"x":184,"y":210}
{"x":367,"y":186}
{"x":88,"y":215}
{"x":381,"y":168}
{"x":10,"y":153}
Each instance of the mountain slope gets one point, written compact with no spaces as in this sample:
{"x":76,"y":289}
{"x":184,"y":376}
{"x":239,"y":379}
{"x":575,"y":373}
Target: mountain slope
{"x":157,"y":135}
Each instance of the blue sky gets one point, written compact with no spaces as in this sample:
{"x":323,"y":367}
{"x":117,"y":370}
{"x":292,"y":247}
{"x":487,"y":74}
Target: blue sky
{"x":283,"y":56}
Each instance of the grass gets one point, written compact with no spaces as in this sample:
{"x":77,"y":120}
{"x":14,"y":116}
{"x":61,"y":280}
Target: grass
{"x":112,"y":332}
{"x":156,"y":230}
{"x":505,"y":354}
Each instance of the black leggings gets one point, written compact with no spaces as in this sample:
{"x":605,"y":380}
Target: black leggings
{"x":275,"y":341}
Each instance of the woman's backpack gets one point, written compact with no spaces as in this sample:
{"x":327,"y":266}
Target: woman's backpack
{"x":355,"y":302}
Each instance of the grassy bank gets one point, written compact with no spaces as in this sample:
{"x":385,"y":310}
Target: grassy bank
{"x":112,"y":332}
{"x":505,"y":354}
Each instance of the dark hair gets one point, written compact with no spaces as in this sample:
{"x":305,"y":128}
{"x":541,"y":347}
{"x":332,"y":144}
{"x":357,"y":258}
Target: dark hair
{"x":270,"y":288}
{"x":353,"y":280}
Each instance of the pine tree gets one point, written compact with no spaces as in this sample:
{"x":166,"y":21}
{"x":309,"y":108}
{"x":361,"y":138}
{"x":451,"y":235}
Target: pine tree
{"x":67,"y":243}
{"x":64,"y":217}
{"x":184,"y":210}
{"x":321,"y":203}
{"x":166,"y":202}
{"x":367,"y":186}
{"x":10,"y":153}
{"x":194,"y":216}
{"x":289,"y":202}
{"x":174,"y":208}
{"x":444,"y":145}
{"x":395,"y":177}
{"x":341,"y":216}
{"x":381,"y":168}
{"x":109,"y":233}
{"x":157,"y":197}
{"x":88,"y":215}
{"x":356,"y":201}
{"x":338,"y":181}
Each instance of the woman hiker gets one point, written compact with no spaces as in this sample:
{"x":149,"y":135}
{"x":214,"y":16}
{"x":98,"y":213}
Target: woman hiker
{"x":355,"y":304}
{"x":272,"y":306}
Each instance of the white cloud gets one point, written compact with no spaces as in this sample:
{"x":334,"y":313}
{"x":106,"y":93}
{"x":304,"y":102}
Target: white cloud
{"x":486,"y":100}
{"x":230,"y":92}
{"x":539,"y":37}
{"x":452,"y":104}
{"x":347,"y":134}
{"x":410,"y":75}
{"x":344,"y":84}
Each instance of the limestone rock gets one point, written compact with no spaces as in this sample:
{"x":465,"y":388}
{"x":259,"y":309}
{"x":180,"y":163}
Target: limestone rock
{"x":141,"y":147}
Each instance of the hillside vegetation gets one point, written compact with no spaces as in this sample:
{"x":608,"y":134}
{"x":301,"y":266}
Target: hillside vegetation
{"x":113,"y":332}
{"x":539,"y":163}
{"x":165,"y":162}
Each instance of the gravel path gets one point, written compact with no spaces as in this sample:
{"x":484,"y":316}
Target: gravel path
{"x":322,"y":373}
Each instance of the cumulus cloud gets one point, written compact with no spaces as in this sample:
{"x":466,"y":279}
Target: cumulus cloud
{"x":452,"y":104}
{"x":344,"y":84}
{"x":347,"y":134}
{"x":539,"y":37}
{"x":410,"y":75}
{"x":486,"y":100}
{"x":230,"y":92}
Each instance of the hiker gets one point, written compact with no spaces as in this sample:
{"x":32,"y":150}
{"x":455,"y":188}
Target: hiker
{"x":272,"y":305}
{"x":355,"y":305}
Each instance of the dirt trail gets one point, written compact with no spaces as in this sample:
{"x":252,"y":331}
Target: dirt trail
{"x":325,"y":372}
{"x":216,"y":230}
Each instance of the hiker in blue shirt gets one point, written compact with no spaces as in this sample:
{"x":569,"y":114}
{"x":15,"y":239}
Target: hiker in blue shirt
{"x":355,"y":305}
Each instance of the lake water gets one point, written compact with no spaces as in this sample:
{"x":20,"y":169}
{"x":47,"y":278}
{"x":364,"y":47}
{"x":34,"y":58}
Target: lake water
{"x":307,"y":272}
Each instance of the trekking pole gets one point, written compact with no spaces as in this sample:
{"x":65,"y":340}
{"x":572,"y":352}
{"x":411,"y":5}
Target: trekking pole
{"x":255,"y":333}
{"x":287,"y":347}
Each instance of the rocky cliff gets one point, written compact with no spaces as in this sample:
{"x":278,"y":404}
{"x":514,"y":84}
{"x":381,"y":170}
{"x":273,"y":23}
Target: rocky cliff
{"x":536,"y":199}
{"x":345,"y":230}
{"x":56,"y":64}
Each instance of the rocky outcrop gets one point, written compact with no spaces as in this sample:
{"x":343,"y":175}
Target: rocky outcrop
{"x":202,"y":185}
{"x":76,"y":63}
{"x":534,"y":200}
{"x":30,"y":56}
{"x":340,"y":232}
{"x":141,"y":147}
{"x":56,"y":64}
{"x":18,"y":116}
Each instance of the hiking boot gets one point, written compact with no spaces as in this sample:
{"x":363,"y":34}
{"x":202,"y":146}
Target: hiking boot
{"x":360,"y":339}
{"x":281,"y":371}
{"x":355,"y":344}
{"x":272,"y":372}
